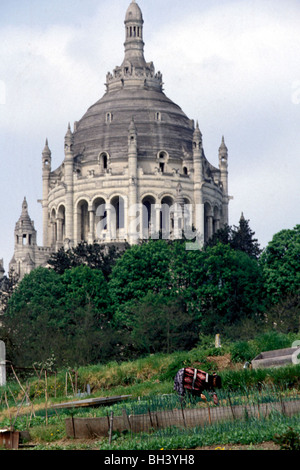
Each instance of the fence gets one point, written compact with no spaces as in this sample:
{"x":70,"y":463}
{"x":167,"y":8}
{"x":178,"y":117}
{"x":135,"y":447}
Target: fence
{"x":168,"y":411}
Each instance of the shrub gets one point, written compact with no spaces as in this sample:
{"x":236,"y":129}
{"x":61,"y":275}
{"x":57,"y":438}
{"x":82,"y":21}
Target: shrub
{"x":290,"y":440}
{"x":243,"y":351}
{"x":272,"y":340}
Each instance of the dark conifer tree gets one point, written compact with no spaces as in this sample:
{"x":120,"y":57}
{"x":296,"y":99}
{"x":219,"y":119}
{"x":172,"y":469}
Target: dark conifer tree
{"x":242,"y":238}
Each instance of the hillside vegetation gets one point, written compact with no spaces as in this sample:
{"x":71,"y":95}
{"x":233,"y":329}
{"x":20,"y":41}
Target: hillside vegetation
{"x":94,"y":306}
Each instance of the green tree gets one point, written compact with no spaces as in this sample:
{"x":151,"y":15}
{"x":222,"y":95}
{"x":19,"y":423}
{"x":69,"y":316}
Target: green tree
{"x":95,"y":256}
{"x":85,"y":286}
{"x":217,"y":285}
{"x":224,"y":285}
{"x":41,"y":287}
{"x":65,"y":315}
{"x":162,"y":325}
{"x":7,"y":286}
{"x":280,"y":262}
{"x":142,"y":268}
{"x":242,"y":238}
{"x":223,"y":235}
{"x":239,"y":238}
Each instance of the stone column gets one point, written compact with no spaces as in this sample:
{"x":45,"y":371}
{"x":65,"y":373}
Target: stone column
{"x":109,"y":221}
{"x":133,"y":180}
{"x":209,"y":226}
{"x":91,"y":235}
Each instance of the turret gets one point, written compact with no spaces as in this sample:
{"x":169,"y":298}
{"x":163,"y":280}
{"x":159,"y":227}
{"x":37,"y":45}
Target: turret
{"x":132,"y":176}
{"x":25,"y":233}
{"x":198,"y":181}
{"x":197,"y":157}
{"x":223,"y":165}
{"x":23,"y":260}
{"x":134,"y":70}
{"x":46,"y":158}
{"x":134,"y":44}
{"x":46,"y":165}
{"x":69,"y":182}
{"x":69,"y":140}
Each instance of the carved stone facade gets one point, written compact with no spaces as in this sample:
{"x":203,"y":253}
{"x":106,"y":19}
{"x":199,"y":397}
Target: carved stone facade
{"x":134,"y":166}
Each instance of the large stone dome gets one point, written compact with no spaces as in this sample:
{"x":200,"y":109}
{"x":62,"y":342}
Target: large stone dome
{"x":161,"y":125}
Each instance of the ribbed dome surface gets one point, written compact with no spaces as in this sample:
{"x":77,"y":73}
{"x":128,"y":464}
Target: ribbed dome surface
{"x":161,"y":125}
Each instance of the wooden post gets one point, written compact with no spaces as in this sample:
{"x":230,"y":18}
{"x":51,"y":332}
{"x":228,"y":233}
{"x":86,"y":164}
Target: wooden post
{"x":72,"y":383}
{"x":231,"y":406}
{"x":126,"y":419}
{"x":151,"y":422}
{"x":209,"y":417}
{"x":9,"y":413}
{"x":76,"y":381}
{"x":46,"y":397}
{"x":19,"y":382}
{"x":111,"y":425}
{"x":73,"y":427}
{"x":183,"y":415}
{"x":55,"y":384}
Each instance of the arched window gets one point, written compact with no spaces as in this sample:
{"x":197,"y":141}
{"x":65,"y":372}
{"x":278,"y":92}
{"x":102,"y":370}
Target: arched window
{"x":162,"y":159}
{"x":103,"y":161}
{"x":109,"y":118}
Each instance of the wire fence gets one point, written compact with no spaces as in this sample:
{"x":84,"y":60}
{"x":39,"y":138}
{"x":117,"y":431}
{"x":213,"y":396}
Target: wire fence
{"x":170,"y":411}
{"x":171,"y":414}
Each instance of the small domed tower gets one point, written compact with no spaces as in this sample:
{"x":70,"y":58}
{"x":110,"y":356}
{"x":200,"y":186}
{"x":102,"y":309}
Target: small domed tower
{"x":25,"y":242}
{"x":134,"y":44}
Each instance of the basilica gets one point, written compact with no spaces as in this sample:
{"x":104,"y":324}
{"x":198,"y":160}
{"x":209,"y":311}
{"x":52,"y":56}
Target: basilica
{"x":133,"y":168}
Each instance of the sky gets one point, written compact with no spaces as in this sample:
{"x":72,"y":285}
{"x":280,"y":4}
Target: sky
{"x":233,"y":65}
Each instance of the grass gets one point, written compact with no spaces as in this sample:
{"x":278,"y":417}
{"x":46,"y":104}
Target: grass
{"x":252,"y":431}
{"x":150,"y":382}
